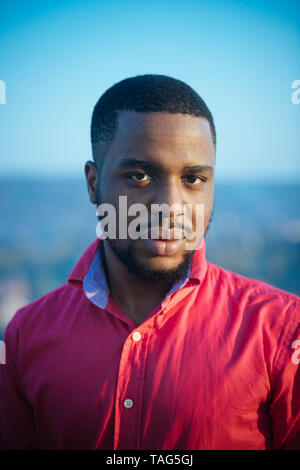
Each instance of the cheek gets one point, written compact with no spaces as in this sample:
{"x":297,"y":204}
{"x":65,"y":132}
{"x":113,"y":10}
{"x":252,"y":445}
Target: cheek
{"x":209,"y":202}
{"x":207,"y":210}
{"x":204,"y":213}
{"x":207,"y":214}
{"x":107,"y":187}
{"x":109,"y":194}
{"x":206,"y":200}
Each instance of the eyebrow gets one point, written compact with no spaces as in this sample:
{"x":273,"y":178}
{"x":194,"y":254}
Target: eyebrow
{"x":199,"y":168}
{"x":156,"y":167}
{"x":129,"y":162}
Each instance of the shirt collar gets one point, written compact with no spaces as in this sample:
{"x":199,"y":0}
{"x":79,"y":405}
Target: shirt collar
{"x":89,"y":274}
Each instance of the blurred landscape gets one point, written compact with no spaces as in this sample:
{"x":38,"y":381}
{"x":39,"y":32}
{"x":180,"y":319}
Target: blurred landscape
{"x":46,"y":225}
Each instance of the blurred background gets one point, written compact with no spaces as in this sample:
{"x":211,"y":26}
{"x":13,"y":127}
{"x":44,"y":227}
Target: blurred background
{"x":58,"y":57}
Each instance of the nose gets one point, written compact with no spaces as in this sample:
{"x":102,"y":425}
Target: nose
{"x":170,"y":194}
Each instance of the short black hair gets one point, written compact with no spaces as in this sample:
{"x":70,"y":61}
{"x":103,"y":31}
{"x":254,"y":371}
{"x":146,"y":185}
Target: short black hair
{"x":142,"y":93}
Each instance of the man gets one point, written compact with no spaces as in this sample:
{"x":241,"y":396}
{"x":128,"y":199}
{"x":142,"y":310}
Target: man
{"x":148,"y":345}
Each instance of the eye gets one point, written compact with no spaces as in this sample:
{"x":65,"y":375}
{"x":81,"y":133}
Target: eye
{"x":195,"y":180}
{"x":140,"y":176}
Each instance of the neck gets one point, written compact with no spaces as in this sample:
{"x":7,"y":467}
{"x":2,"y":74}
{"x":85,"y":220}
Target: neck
{"x":136,"y":297}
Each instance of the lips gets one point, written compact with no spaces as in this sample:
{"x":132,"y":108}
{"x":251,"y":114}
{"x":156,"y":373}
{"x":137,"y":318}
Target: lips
{"x":164,"y":242}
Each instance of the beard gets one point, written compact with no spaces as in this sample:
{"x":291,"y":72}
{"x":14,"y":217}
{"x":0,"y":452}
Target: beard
{"x":134,"y":266}
{"x":132,"y":263}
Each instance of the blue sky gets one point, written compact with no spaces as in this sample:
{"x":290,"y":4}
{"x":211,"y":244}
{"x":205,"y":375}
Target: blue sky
{"x":58,"y":57}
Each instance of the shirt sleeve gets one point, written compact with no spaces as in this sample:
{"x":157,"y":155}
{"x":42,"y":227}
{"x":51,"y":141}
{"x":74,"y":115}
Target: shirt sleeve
{"x":285,"y":405}
{"x":17,"y":428}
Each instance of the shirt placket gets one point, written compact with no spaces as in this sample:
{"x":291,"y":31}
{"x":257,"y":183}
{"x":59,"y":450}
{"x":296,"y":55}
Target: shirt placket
{"x":130,"y":388}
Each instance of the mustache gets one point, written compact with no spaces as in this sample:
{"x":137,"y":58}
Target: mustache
{"x":147,"y":227}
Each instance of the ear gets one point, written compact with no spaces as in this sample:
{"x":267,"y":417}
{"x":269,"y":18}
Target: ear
{"x":91,"y":175}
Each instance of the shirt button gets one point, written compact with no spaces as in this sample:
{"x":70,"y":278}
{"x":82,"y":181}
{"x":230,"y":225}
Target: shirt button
{"x":128,"y":403}
{"x":136,"y":336}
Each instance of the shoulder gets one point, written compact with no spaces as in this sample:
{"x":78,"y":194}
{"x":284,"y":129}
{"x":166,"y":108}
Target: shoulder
{"x":275,"y":309}
{"x":254,"y":289}
{"x":44,"y":310}
{"x":268,"y":312}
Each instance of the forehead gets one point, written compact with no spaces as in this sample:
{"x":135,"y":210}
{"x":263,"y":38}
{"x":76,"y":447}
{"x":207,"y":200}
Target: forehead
{"x":163,"y":137}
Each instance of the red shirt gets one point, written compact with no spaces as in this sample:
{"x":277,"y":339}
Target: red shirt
{"x":213,"y":366}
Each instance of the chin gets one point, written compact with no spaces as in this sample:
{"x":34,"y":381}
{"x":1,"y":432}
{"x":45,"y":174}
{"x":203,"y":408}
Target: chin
{"x":160,"y":268}
{"x":151,"y":268}
{"x":163,"y":263}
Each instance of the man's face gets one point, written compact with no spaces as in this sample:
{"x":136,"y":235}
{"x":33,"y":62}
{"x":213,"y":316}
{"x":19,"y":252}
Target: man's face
{"x":158,"y":158}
